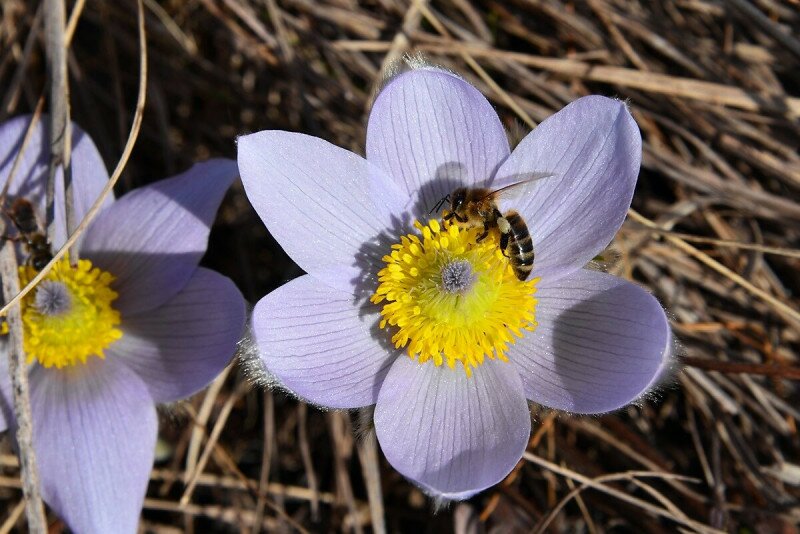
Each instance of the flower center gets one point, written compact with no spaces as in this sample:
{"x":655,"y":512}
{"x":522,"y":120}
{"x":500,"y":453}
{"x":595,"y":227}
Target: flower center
{"x":457,"y":276}
{"x":68,"y":317}
{"x":452,"y":298}
{"x":52,"y":298}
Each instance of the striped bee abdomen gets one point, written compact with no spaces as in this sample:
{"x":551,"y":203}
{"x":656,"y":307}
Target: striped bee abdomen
{"x":520,"y":246}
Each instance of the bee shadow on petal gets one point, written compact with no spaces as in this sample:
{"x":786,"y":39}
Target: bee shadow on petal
{"x":448,"y":177}
{"x":368,"y":261}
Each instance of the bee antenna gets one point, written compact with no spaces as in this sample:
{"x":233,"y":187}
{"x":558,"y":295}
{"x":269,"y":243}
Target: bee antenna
{"x":439,"y":204}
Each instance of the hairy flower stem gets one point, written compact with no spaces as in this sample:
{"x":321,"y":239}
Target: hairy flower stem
{"x":18,"y":370}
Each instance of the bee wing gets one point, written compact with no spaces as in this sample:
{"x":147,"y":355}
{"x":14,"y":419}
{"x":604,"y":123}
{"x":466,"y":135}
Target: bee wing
{"x":519,"y":188}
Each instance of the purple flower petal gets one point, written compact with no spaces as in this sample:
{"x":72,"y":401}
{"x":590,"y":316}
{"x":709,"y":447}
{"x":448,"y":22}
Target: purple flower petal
{"x":95,"y":431}
{"x":323,"y":204}
{"x":178,"y":348}
{"x":601,"y":343}
{"x":153,"y":238}
{"x":451,"y":434}
{"x":432,"y":132}
{"x":322,"y":346}
{"x":594,"y":149}
{"x":89,"y":173}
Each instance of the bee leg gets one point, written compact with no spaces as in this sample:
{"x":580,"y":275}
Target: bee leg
{"x":504,"y":238}
{"x":449,"y":216}
{"x":484,"y":233}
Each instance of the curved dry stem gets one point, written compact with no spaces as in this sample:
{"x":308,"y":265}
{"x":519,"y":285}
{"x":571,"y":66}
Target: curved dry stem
{"x":766,"y":249}
{"x":95,"y":209}
{"x":788,"y":313}
{"x":598,"y":484}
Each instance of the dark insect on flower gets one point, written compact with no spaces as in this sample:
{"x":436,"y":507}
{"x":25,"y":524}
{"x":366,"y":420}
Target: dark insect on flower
{"x":479,"y":206}
{"x":24,"y":218}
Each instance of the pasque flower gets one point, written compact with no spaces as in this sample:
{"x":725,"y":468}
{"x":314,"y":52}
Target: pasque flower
{"x":135,"y":323}
{"x":429,"y":323}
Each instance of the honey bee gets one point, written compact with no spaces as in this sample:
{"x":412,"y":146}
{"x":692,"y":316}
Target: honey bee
{"x":478,"y":206}
{"x":24,"y":219}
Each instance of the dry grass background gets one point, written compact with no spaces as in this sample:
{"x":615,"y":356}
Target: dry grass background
{"x":714,"y":87}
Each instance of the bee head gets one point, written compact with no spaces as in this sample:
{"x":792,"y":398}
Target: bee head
{"x":457,"y":199}
{"x":40,"y":262}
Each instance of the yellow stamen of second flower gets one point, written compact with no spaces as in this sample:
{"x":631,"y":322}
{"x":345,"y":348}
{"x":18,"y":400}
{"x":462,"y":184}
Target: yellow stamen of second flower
{"x":452,"y":298}
{"x":68,"y":317}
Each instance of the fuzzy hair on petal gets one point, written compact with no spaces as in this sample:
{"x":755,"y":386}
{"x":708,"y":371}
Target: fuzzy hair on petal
{"x":364,"y":427}
{"x":252,"y":365}
{"x":406,"y":63}
{"x":256,"y":372}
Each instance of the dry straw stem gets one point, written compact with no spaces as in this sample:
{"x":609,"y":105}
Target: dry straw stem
{"x":18,"y":370}
{"x":341,"y":432}
{"x":630,"y":476}
{"x":13,"y":517}
{"x":752,"y":13}
{"x":305,"y":454}
{"x":211,"y":444}
{"x":268,"y":449}
{"x":713,"y":93}
{"x":201,"y":420}
{"x":778,"y":371}
{"x":710,"y":92}
{"x":504,"y":96}
{"x":222,"y":418}
{"x":599,"y":485}
{"x":60,"y":130}
{"x":11,"y":98}
{"x":653,"y":82}
{"x":222,"y":514}
{"x":369,"y":457}
{"x":778,"y":251}
{"x":237,"y":483}
{"x":787,"y":312}
{"x":109,"y":187}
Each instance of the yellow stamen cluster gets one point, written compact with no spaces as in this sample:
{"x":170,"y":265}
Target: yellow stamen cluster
{"x":442,"y":325}
{"x":85,"y":327}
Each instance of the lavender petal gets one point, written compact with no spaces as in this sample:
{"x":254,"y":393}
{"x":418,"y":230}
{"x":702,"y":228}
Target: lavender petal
{"x":320,"y":345}
{"x":94,"y":434}
{"x":433,"y":132}
{"x":153,"y":237}
{"x":601,"y":343}
{"x":89,"y":173}
{"x":180,"y":347}
{"x":453,"y":435}
{"x":593,"y":148}
{"x":325,"y":206}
